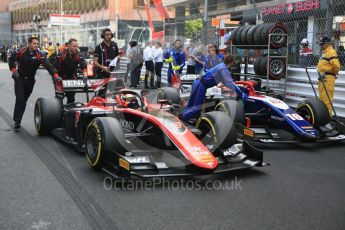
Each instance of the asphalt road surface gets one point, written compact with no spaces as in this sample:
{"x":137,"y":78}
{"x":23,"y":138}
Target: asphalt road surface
{"x":47,"y":185}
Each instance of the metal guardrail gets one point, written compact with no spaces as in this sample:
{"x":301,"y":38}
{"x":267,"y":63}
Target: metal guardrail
{"x":297,"y":85}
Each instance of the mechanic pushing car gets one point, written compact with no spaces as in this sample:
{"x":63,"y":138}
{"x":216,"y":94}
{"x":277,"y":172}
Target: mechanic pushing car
{"x":176,"y":58}
{"x":105,"y":53}
{"x":220,"y":75}
{"x":28,"y":60}
{"x":328,"y":67}
{"x":67,"y":63}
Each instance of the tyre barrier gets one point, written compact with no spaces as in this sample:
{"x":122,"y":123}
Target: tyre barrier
{"x":258,"y":35}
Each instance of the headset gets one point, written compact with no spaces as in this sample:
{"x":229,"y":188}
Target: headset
{"x":106,"y":30}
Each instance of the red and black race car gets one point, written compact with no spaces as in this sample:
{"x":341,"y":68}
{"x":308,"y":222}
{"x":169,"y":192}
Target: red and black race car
{"x":122,"y":133}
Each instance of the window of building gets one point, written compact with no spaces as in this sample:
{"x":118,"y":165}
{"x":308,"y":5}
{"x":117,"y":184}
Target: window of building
{"x":141,"y":3}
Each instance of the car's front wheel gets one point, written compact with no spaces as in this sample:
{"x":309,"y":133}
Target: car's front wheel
{"x":104,"y":136}
{"x":314,"y":111}
{"x":218,"y":131}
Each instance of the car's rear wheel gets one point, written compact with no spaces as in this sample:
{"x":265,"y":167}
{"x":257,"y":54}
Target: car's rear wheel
{"x":47,"y":115}
{"x":104,"y":135}
{"x":218,"y":131}
{"x":169,"y":93}
{"x":314,"y":111}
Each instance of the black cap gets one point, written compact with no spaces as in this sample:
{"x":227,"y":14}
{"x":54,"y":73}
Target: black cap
{"x":323,"y":40}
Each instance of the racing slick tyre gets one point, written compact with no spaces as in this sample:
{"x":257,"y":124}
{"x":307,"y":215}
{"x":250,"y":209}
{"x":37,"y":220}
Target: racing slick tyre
{"x":233,"y":36}
{"x":244,"y":35}
{"x":277,"y":39}
{"x":257,"y":65}
{"x":47,"y":115}
{"x":250,"y":35}
{"x":257,"y":35}
{"x":314,"y":111}
{"x":170,"y":94}
{"x":218,"y":131}
{"x":234,"y":109}
{"x":238,"y":35}
{"x":277,"y":67}
{"x":104,"y":136}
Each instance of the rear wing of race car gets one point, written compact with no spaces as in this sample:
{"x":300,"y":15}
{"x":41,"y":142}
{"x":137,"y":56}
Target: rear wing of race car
{"x":188,"y":79}
{"x":77,"y":86}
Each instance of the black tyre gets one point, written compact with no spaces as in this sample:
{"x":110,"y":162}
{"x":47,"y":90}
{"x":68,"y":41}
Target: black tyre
{"x":234,"y":109}
{"x":238,"y":36}
{"x":103,"y":137}
{"x":263,"y":66}
{"x":169,"y":93}
{"x":257,"y":34}
{"x":277,"y":39}
{"x":233,"y":36}
{"x":250,"y":35}
{"x":314,"y":111}
{"x":276,"y":67}
{"x":47,"y":115}
{"x":264,"y":33}
{"x":218,"y":131}
{"x":257,"y":65}
{"x":244,"y":37}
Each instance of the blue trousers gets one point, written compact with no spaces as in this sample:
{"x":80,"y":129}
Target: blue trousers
{"x":195,"y":101}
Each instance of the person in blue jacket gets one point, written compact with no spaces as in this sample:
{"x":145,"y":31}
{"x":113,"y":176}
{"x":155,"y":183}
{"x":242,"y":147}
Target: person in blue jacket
{"x":176,"y":58}
{"x":218,"y":75}
{"x":214,"y":57}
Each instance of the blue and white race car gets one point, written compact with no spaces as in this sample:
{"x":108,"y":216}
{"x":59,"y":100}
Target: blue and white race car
{"x":267,"y":119}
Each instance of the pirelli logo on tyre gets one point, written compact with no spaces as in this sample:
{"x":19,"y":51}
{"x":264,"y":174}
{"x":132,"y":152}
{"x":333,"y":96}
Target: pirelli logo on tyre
{"x":124,"y":164}
{"x":248,"y":132}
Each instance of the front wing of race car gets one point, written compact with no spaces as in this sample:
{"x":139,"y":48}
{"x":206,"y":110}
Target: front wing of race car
{"x":144,"y":164}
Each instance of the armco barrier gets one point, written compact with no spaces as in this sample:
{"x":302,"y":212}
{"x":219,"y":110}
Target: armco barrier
{"x":297,"y":85}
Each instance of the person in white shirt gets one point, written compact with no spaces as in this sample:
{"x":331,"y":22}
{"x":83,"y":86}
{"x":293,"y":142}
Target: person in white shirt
{"x":158,"y":61}
{"x":148,"y":58}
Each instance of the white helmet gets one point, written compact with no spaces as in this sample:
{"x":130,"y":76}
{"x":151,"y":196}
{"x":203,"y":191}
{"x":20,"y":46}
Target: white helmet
{"x":304,"y":41}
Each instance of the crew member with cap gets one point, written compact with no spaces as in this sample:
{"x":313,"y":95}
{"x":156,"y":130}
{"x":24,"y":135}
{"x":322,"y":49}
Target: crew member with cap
{"x":305,"y":53}
{"x":220,"y":75}
{"x":176,"y":58}
{"x":105,"y":53}
{"x":28,"y":60}
{"x":328,"y":67}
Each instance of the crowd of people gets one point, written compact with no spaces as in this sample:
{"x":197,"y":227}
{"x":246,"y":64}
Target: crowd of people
{"x":199,"y":59}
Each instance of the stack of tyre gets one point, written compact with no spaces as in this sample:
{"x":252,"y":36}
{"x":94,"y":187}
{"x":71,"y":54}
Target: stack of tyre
{"x":257,"y":37}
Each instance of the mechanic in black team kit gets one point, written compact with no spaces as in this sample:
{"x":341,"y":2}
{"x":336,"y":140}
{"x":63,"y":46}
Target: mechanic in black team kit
{"x":24,"y":65}
{"x":105,"y":53}
{"x":67,"y":63}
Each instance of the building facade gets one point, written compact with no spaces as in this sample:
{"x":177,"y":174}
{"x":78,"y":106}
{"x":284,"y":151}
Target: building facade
{"x":128,"y":19}
{"x":5,"y":24}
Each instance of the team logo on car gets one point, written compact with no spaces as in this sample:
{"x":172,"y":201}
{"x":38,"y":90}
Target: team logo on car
{"x":176,"y":127}
{"x":127,"y":124}
{"x":77,"y":118}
